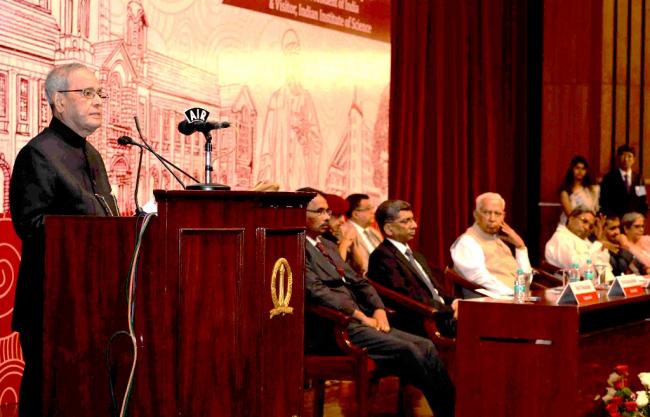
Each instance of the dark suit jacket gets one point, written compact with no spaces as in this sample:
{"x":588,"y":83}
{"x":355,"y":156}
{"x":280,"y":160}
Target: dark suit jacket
{"x":57,"y":172}
{"x":324,"y":286}
{"x":390,"y":268}
{"x":614,"y":197}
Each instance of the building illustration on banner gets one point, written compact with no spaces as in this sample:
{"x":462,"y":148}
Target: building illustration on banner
{"x":158,"y":88}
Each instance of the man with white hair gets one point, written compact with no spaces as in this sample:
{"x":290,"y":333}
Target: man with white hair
{"x":481,"y":255}
{"x":57,"y":172}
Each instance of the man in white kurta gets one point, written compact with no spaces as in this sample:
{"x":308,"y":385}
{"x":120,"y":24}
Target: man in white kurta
{"x":481,"y":255}
{"x":570,"y":244}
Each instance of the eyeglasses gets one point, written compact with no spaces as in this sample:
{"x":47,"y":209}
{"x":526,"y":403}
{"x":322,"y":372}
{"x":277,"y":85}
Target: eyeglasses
{"x":88,"y":93}
{"x":364,"y":208}
{"x":321,"y":211}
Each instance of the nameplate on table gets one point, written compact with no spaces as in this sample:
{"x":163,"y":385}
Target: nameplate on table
{"x":627,"y":285}
{"x":578,"y":293}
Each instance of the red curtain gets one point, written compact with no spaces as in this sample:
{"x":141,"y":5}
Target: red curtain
{"x":459,"y":126}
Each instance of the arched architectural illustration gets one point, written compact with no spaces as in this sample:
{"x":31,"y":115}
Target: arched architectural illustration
{"x":5,"y":168}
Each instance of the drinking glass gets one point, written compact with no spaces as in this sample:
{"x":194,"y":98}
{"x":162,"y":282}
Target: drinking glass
{"x":601,"y":276}
{"x":566,"y":275}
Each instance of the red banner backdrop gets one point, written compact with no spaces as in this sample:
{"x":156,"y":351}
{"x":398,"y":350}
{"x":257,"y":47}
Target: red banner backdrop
{"x":369,"y":18}
{"x":11,"y":358}
{"x":459,"y":120}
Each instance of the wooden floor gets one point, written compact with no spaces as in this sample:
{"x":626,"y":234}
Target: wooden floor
{"x":340,"y":401}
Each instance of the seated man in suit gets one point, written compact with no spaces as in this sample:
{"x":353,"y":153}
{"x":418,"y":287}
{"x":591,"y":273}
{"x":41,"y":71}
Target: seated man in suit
{"x":329,"y":281}
{"x":341,"y":231}
{"x":361,"y":214}
{"x":395,"y":266}
{"x":480,"y":254}
{"x":570,"y":244}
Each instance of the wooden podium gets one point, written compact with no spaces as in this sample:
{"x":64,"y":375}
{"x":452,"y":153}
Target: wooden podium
{"x":540,"y":359}
{"x":218,"y":332}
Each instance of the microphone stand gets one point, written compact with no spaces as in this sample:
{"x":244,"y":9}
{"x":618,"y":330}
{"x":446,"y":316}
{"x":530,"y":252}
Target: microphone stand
{"x":160,"y":158}
{"x":208,"y":185}
{"x":138,"y":209}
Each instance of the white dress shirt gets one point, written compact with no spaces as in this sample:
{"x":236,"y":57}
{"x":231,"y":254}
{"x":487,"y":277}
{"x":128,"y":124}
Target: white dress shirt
{"x":361,"y":232}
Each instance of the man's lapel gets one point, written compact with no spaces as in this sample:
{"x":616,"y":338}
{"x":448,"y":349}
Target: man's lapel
{"x":403,"y":260}
{"x":321,"y":261}
{"x":425,"y":265}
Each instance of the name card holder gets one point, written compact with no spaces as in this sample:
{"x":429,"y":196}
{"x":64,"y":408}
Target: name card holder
{"x":626,"y":285}
{"x":578,"y":293}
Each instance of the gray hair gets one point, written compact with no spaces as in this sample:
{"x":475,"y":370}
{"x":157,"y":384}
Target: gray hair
{"x":388,"y":211}
{"x":629,"y":219}
{"x":57,"y":79}
{"x":581,"y":210}
{"x":489,"y":196}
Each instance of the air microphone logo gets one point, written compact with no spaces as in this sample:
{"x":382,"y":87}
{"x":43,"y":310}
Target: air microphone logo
{"x":196,"y":114}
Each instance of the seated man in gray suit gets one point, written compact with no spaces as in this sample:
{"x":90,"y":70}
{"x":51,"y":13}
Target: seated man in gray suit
{"x":329,"y":281}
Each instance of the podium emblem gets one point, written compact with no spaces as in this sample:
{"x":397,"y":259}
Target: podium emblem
{"x":280,"y":297}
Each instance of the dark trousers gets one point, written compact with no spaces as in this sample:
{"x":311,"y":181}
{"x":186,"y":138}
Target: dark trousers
{"x":31,"y":386}
{"x":414,"y":359}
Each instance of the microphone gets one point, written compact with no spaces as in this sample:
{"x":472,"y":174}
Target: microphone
{"x":125,"y":140}
{"x":187,"y":128}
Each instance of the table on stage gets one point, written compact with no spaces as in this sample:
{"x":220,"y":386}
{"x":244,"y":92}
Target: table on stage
{"x":543,"y":359}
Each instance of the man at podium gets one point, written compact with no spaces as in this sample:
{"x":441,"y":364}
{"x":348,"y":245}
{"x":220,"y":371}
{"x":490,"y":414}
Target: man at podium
{"x":57,"y":172}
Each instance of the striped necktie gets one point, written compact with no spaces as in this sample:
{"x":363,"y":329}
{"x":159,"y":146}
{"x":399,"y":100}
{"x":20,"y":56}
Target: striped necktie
{"x":339,"y":268}
{"x":423,"y":276}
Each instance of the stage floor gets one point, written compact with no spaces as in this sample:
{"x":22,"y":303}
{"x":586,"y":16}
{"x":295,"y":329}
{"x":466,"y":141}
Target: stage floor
{"x":339,"y":402}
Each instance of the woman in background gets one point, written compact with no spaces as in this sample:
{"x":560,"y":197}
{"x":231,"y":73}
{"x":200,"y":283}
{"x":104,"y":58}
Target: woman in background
{"x":578,"y":188}
{"x":634,"y":239}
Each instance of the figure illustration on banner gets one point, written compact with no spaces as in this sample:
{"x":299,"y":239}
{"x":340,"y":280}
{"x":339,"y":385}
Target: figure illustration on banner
{"x":291,"y":136}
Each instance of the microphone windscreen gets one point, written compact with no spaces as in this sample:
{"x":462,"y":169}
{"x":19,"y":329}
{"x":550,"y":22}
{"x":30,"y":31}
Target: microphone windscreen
{"x":186,"y":128}
{"x":124,"y":140}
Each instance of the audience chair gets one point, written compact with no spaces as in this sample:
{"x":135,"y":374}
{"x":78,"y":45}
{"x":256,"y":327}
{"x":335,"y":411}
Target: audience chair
{"x":446,"y":346}
{"x":427,"y":313}
{"x":462,"y":288}
{"x":544,"y":278}
{"x":548,"y":275}
{"x":348,"y":363}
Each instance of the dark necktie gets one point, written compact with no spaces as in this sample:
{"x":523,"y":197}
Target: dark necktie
{"x":339,"y":268}
{"x":423,"y":276}
{"x":627,"y":182}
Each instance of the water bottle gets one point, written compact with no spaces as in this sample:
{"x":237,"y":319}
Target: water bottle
{"x":520,"y":287}
{"x":574,"y":273}
{"x":589,"y":271}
